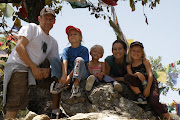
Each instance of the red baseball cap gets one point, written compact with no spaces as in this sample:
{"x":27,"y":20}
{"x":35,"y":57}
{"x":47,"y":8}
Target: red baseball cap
{"x":72,"y":27}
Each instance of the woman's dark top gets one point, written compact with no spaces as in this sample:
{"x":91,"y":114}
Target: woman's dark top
{"x":115,"y":69}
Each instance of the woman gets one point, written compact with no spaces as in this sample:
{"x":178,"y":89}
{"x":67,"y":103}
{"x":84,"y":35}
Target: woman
{"x":116,"y":63}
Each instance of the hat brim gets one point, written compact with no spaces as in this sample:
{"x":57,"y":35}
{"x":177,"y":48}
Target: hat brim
{"x":137,"y":43}
{"x":72,"y":27}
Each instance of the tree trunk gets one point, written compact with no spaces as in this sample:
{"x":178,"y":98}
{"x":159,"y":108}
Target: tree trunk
{"x":34,"y":7}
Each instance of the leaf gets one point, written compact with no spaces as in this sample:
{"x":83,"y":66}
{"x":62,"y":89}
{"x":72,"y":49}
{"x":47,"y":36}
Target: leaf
{"x":48,"y":2}
{"x":17,"y":23}
{"x":96,"y":15}
{"x":17,"y":5}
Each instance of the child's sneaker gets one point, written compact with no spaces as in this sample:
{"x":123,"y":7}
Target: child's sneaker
{"x":58,"y":115}
{"x":56,"y":87}
{"x":89,"y":82}
{"x":140,"y":99}
{"x":117,"y":86}
{"x":75,"y":91}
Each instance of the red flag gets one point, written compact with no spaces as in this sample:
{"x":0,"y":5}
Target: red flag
{"x":12,"y":37}
{"x":110,"y":2}
{"x":23,"y":12}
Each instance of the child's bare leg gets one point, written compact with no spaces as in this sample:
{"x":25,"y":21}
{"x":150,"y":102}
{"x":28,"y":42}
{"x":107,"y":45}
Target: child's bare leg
{"x":135,"y":89}
{"x":76,"y":81}
{"x":10,"y":114}
{"x":166,"y":116}
{"x":55,"y":101}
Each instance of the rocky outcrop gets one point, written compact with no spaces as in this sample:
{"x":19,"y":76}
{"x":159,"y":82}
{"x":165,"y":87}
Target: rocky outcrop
{"x":104,"y":115}
{"x":104,"y":97}
{"x":101,"y":101}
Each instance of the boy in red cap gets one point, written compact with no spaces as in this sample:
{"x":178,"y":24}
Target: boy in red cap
{"x":74,"y":64}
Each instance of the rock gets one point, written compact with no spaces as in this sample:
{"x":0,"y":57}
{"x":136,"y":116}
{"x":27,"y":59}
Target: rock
{"x":104,"y":97}
{"x":101,"y":98}
{"x":174,"y":116}
{"x":30,"y":115}
{"x":40,"y":101}
{"x":96,"y":116}
{"x":41,"y":117}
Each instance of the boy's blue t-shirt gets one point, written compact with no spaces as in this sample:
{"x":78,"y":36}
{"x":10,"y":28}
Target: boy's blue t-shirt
{"x":70,"y":54}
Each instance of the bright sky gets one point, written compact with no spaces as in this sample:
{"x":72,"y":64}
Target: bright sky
{"x":160,"y":37}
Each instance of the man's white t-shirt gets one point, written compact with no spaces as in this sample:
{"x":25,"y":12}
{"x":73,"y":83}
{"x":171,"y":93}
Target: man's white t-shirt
{"x":37,"y":38}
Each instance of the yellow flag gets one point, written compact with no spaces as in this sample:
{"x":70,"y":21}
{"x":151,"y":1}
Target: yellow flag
{"x":3,"y":47}
{"x":168,"y":68}
{"x":162,"y":76}
{"x":130,"y":41}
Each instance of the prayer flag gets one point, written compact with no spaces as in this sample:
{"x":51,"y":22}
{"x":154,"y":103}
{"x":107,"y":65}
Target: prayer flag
{"x":178,"y":62}
{"x":162,"y":76}
{"x":110,"y":2}
{"x":6,"y":9}
{"x":172,"y":65}
{"x":168,"y":68}
{"x":178,"y":109}
{"x":130,"y":41}
{"x":173,"y":77}
{"x":76,"y":1}
{"x":12,"y":38}
{"x":78,"y":5}
{"x":23,"y":12}
{"x":16,"y":28}
{"x":175,"y":65}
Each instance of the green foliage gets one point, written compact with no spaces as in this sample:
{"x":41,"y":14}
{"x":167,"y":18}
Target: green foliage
{"x":156,"y":65}
{"x":22,"y":113}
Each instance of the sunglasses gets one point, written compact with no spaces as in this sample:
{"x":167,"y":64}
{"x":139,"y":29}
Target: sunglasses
{"x":44,"y":46}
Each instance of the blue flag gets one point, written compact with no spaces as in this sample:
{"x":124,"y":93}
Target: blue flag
{"x":174,"y":77}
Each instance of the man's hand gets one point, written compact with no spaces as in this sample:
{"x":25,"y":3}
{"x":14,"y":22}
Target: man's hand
{"x":68,"y":80}
{"x":63,"y":80}
{"x":46,"y":72}
{"x":37,"y":73}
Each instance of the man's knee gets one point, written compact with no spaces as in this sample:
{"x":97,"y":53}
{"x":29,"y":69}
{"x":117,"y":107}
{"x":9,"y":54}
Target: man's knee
{"x":11,"y":114}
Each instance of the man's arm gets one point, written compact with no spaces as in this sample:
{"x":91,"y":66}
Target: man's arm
{"x":21,"y":50}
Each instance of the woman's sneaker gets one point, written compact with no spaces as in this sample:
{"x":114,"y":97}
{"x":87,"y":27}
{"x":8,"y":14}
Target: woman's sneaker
{"x":140,"y":99}
{"x":75,"y":91}
{"x":89,"y":82}
{"x":117,"y":86}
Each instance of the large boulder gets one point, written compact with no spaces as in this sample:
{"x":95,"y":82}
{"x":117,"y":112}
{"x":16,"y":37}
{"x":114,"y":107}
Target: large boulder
{"x":100,"y":99}
{"x":104,"y":97}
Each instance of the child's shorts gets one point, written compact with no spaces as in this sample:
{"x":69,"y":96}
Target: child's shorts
{"x":17,"y":92}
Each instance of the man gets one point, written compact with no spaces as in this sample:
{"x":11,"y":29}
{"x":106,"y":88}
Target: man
{"x":34,"y":45}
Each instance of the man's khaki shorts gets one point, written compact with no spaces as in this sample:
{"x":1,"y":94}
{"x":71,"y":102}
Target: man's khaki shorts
{"x":17,"y":92}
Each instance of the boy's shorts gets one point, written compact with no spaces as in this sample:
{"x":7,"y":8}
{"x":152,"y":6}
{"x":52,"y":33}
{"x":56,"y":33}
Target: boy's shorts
{"x":17,"y":92}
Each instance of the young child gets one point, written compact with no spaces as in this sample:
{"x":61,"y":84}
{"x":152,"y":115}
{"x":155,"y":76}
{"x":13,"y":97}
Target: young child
{"x":97,"y":70}
{"x":139,"y":70}
{"x":75,"y":59}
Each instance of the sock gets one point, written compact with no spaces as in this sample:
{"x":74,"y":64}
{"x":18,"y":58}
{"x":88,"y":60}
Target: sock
{"x":115,"y":82}
{"x":56,"y":111}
